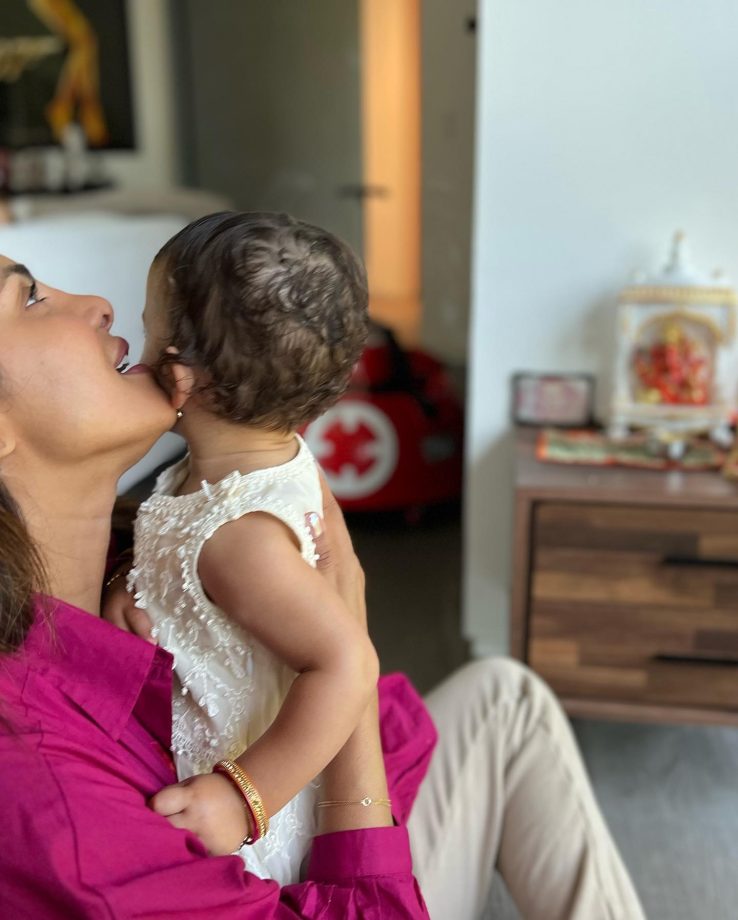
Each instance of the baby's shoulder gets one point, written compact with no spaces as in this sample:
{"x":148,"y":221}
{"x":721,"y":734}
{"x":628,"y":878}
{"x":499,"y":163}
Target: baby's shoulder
{"x":259,"y":534}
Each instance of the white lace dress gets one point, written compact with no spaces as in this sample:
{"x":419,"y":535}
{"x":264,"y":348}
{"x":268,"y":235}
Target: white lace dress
{"x":227,"y":687}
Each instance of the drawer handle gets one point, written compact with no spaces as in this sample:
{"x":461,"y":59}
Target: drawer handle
{"x":690,"y":562}
{"x":716,"y":660}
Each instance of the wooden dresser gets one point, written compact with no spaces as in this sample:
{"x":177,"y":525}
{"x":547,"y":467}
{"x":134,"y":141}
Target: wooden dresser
{"x":625,"y":589}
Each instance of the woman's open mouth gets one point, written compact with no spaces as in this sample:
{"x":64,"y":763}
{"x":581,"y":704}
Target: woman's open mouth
{"x":136,"y":369}
{"x":121,"y":361}
{"x":122,"y":365}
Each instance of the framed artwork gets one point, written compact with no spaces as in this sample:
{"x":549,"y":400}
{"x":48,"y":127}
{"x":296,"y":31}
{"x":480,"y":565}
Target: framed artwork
{"x":559,"y":400}
{"x":64,"y":61}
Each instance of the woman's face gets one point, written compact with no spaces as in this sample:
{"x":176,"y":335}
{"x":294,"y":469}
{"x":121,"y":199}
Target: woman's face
{"x":61,"y":395}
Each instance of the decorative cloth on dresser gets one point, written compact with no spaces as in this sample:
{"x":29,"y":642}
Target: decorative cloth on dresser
{"x":228,"y":688}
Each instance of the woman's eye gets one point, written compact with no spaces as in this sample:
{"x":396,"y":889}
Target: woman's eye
{"x":33,"y":297}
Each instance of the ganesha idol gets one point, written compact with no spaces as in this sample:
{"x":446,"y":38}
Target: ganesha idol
{"x":676,"y":363}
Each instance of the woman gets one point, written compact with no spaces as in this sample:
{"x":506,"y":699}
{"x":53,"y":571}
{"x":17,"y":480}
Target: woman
{"x":85,"y":715}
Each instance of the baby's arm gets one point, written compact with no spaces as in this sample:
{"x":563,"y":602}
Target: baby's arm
{"x":253,"y":570}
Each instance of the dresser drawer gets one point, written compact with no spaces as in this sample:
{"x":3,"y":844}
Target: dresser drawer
{"x":635,"y":603}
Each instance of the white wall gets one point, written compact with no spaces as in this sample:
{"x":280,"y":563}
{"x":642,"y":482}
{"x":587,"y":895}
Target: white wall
{"x":155,"y":162}
{"x":601,"y":127}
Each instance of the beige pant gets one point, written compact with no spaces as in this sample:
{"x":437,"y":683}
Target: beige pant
{"x":507,"y":790}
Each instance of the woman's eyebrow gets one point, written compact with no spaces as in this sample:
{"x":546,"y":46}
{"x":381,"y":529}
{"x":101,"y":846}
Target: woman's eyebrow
{"x":15,"y":269}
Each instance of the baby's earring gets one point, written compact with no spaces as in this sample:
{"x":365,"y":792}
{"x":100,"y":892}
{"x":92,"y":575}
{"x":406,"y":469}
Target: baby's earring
{"x":180,"y":413}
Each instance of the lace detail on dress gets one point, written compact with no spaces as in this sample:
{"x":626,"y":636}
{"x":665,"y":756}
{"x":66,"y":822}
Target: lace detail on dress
{"x":228,"y":687}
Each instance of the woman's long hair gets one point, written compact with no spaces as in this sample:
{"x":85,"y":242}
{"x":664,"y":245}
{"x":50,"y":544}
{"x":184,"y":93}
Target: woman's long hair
{"x":21,"y":574}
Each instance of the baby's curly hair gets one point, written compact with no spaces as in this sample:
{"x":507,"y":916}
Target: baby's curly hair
{"x":271,"y":310}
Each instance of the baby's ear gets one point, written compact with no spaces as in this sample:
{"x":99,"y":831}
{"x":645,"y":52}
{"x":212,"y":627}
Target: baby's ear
{"x":181,"y":380}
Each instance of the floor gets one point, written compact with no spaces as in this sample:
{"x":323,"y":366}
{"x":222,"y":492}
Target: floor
{"x":670,"y":794}
{"x":413,"y":579}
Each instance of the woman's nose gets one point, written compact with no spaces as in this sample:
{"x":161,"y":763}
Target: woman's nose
{"x":103,"y":313}
{"x":96,"y":310}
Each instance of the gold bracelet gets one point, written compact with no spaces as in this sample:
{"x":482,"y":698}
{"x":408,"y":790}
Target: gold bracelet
{"x":254,"y":805}
{"x":366,"y":802}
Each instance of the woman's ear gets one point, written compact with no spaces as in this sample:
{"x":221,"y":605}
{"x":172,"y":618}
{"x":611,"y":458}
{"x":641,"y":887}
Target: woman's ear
{"x":181,"y":381}
{"x":7,"y":438}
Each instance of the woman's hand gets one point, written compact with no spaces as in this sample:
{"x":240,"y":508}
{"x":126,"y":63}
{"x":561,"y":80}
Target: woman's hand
{"x":209,"y":806}
{"x":337,"y":560}
{"x":119,"y":608}
{"x":358,"y":769}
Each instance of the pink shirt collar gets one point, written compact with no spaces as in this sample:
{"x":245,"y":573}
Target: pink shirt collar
{"x":97,"y":666}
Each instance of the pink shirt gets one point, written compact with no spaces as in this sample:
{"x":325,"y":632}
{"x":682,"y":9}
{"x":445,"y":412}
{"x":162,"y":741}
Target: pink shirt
{"x":85,"y":720}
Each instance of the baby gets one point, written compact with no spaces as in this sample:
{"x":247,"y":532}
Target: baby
{"x":253,"y":323}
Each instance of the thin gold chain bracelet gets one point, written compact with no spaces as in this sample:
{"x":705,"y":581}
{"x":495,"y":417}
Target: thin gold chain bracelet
{"x":365,"y":802}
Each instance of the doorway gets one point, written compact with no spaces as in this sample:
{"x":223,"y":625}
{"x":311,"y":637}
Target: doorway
{"x":314,"y":109}
{"x":390,"y":124}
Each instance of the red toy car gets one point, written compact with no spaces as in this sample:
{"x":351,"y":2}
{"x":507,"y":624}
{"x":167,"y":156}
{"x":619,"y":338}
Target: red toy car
{"x":395,"y":440}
